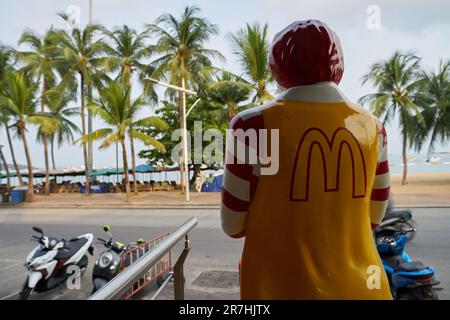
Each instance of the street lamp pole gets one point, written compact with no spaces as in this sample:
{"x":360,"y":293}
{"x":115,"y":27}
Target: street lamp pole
{"x":90,"y":124}
{"x":185,"y":145}
{"x":183,"y":91}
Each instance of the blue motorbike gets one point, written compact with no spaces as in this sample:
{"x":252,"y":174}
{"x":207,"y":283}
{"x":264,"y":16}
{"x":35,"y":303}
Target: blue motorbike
{"x":409,"y":280}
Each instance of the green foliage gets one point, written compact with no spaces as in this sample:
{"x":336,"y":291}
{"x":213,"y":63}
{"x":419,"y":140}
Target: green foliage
{"x":252,"y":49}
{"x":211,"y":116}
{"x":436,"y":114}
{"x":180,"y":46}
{"x":118,"y":111}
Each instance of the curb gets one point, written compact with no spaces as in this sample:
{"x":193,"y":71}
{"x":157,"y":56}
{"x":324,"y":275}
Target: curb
{"x":181,"y":206}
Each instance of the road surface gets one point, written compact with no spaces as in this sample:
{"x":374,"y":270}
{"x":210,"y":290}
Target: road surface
{"x":211,"y":249}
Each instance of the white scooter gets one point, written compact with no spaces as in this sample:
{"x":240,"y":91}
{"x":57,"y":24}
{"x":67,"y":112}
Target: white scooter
{"x":53,"y":261}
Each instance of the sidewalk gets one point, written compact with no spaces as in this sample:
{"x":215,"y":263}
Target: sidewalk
{"x":402,"y":198}
{"x":163,"y":199}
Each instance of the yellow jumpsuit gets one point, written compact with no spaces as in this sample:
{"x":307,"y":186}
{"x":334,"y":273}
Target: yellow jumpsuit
{"x":308,"y":230}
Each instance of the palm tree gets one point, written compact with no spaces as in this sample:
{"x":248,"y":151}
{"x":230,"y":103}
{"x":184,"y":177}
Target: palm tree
{"x":229,"y":91}
{"x":83,"y":54}
{"x":117,"y":110}
{"x":41,"y":62}
{"x":5,"y":65}
{"x":57,"y":103}
{"x":398,"y":89}
{"x":5,"y":165}
{"x":18,"y":96}
{"x":183,"y":57}
{"x":252,"y":48}
{"x":125,"y":56}
{"x":437,"y":113}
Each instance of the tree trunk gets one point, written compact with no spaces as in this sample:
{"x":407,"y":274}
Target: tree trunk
{"x":431,"y":145}
{"x":90,"y":128}
{"x":83,"y":129}
{"x":52,"y":144}
{"x":261,"y":91}
{"x":231,"y":110}
{"x":30,"y":191}
{"x":45,"y":143}
{"x":133,"y":164}
{"x":8,"y":180}
{"x":125,"y":169}
{"x":133,"y":154}
{"x":19,"y":176}
{"x":405,"y":159}
{"x":47,"y":167}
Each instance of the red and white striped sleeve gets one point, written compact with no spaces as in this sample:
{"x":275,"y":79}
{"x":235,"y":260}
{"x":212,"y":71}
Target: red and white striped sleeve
{"x":240,"y":175}
{"x":382,"y":182}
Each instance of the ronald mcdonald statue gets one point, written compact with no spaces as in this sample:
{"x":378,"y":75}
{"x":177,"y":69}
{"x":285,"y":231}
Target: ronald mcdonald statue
{"x":308,"y":224}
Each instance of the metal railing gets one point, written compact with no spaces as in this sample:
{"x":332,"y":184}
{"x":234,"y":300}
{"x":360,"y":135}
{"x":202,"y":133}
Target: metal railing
{"x":117,"y":287}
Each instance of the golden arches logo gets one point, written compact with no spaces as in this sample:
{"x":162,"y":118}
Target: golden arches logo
{"x":331,"y":155}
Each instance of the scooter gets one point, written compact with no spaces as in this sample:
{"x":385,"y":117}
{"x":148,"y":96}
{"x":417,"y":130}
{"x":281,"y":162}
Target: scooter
{"x":111,"y":261}
{"x":409,"y":280}
{"x":54,"y":260}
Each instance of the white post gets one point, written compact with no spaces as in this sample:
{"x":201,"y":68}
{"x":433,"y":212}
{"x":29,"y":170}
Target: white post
{"x":185,"y":145}
{"x":90,"y":12}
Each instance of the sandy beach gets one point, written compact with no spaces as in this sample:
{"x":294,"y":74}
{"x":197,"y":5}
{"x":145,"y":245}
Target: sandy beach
{"x":423,"y":189}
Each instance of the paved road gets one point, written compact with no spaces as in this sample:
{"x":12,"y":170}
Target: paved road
{"x":211,"y":250}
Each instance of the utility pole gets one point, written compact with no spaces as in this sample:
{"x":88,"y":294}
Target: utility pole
{"x":185,"y":144}
{"x":184,"y":165}
{"x":90,"y":149}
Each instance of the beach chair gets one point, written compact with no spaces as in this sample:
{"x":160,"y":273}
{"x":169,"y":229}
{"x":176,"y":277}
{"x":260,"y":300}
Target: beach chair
{"x":174,"y":185}
{"x":157,"y":186}
{"x":165,"y":186}
{"x":62,"y":188}
{"x":141,"y":186}
{"x":76,"y":188}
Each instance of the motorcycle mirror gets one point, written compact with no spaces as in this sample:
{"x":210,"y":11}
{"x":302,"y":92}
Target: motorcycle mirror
{"x":38,"y":230}
{"x":106,"y":228}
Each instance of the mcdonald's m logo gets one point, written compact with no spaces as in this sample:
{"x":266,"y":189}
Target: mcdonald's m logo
{"x":330,"y":152}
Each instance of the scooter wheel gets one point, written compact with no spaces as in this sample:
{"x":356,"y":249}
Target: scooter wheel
{"x":25,"y":293}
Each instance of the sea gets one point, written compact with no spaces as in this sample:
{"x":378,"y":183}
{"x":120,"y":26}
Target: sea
{"x":417,"y":163}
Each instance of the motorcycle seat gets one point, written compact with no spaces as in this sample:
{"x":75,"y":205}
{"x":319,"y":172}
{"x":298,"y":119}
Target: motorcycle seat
{"x":70,"y":248}
{"x":409,"y":266}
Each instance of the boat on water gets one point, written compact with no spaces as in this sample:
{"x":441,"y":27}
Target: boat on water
{"x":433,"y":160}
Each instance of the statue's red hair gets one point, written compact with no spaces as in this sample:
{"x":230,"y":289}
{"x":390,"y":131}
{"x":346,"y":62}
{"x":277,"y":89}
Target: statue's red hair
{"x":306,"y":52}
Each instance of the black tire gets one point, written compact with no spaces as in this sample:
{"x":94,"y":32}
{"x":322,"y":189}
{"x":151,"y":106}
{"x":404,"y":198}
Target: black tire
{"x":435,"y":295}
{"x":25,"y":293}
{"x":419,"y":293}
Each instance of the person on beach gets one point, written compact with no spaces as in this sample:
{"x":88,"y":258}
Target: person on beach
{"x":308,"y":227}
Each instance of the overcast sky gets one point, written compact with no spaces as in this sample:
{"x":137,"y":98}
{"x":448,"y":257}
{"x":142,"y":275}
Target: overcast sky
{"x":422,"y":26}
